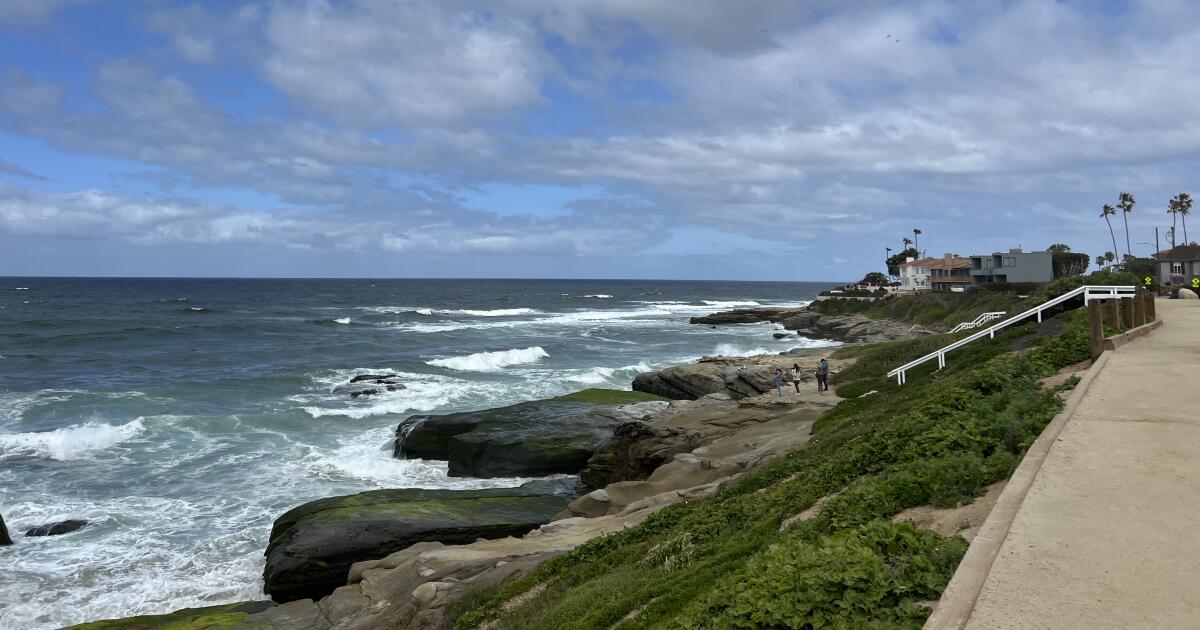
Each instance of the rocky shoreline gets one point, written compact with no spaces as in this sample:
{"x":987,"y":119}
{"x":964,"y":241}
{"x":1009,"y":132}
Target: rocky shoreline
{"x":399,"y":558}
{"x":814,"y":325}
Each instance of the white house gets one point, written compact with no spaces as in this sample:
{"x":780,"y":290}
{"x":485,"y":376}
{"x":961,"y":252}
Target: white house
{"x":914,"y":274}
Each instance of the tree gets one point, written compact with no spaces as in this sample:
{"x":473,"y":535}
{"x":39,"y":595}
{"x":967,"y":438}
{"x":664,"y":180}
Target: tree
{"x":1125,"y":202}
{"x":875,"y":278}
{"x":1106,"y":212}
{"x":1069,"y":264}
{"x":1100,"y":260}
{"x":1110,"y":257}
{"x":1173,"y":210}
{"x":916,"y":238}
{"x":1185,"y":208}
{"x":893,"y":263}
{"x":907,"y":242}
{"x":1059,"y":248}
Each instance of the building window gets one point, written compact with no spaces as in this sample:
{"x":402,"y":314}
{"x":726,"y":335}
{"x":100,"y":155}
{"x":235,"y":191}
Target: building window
{"x":1177,"y":268}
{"x":1009,"y":261}
{"x":987,"y":263}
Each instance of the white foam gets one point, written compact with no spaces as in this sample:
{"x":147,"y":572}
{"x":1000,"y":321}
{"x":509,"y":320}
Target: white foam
{"x":600,"y":296}
{"x":342,"y":320}
{"x":497,"y":312}
{"x":368,"y":457}
{"x":73,"y":442}
{"x":730,"y":303}
{"x":422,"y":392}
{"x":730,"y":350}
{"x":607,"y":375}
{"x":20,"y":288}
{"x":491,"y":361}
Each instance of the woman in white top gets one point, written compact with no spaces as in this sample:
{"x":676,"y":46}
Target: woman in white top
{"x":796,"y":376}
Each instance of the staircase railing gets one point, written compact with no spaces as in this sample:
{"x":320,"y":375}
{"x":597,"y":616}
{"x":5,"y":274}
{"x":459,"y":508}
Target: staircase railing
{"x":1089,"y":293}
{"x":978,"y":321}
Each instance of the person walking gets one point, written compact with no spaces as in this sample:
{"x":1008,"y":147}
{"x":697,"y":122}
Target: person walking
{"x":796,"y":376}
{"x":823,"y":376}
{"x":779,"y":382}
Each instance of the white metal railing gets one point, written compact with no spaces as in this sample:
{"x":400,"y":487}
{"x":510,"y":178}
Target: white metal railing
{"x":1089,"y":293}
{"x":975,"y":323}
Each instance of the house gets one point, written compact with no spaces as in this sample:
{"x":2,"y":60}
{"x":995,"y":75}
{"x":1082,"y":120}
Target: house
{"x":1012,"y":266}
{"x":914,"y":274}
{"x":1178,"y":265}
{"x":948,"y":273}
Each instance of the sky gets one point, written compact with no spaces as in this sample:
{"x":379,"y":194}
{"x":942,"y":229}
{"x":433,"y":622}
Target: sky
{"x":708,"y":139}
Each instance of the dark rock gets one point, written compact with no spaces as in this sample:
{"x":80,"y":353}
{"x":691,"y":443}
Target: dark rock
{"x":739,"y":377}
{"x":529,"y":439}
{"x":370,"y":384}
{"x":224,"y":616}
{"x":312,"y":546}
{"x":781,"y":335}
{"x":4,"y":538}
{"x":635,"y":450}
{"x":54,"y":529}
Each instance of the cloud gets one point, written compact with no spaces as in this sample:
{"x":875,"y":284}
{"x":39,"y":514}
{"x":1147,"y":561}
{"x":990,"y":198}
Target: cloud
{"x":8,"y":168}
{"x":31,"y":11}
{"x":375,"y":63}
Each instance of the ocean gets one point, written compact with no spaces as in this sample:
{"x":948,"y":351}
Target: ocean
{"x":180,"y":417}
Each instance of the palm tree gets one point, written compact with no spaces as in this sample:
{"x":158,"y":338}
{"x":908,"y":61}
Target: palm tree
{"x":916,"y":239}
{"x":1100,"y":260}
{"x":907,"y":242}
{"x":1110,"y":257}
{"x":1125,"y":202}
{"x":1108,"y":211}
{"x":1173,"y":210}
{"x":1185,"y":207}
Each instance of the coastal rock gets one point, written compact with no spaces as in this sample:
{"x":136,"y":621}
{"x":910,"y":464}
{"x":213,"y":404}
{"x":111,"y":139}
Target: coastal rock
{"x":370,"y":384}
{"x":844,"y":328}
{"x":221,"y":616}
{"x":739,"y":377}
{"x":635,"y":450}
{"x":529,"y":439}
{"x":1187,"y":294}
{"x":55,"y":529}
{"x":4,"y":537}
{"x":312,"y":546}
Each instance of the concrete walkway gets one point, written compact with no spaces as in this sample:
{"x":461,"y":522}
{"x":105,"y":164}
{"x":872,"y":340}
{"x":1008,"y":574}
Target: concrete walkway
{"x":1109,"y":534}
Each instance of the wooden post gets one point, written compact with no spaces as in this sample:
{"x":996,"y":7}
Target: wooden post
{"x":1150,"y":305}
{"x":1096,"y":324}
{"x":1127,"y":313}
{"x":1110,"y":314}
{"x":1139,"y":307}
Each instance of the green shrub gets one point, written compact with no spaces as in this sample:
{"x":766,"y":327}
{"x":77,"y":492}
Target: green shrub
{"x":870,"y":576}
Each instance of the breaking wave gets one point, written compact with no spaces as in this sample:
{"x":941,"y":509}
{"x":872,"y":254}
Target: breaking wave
{"x":71,"y":442}
{"x":491,"y":361}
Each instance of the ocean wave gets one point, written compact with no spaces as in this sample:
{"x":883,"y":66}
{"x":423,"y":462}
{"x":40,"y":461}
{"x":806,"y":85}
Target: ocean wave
{"x":342,"y":320}
{"x":71,"y":442}
{"x":730,"y":350}
{"x":422,"y":392}
{"x":491,"y":361}
{"x":20,"y":288}
{"x":450,"y":312}
{"x":368,"y":457}
{"x":606,"y":375}
{"x":730,"y":303}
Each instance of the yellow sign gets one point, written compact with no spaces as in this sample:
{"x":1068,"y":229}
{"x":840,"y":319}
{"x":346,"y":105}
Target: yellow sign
{"x":1195,"y":282}
{"x":1149,"y":281}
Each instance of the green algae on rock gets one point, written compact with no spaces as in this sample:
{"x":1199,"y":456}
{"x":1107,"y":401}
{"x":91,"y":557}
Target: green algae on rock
{"x":312,"y":546}
{"x":224,"y":616}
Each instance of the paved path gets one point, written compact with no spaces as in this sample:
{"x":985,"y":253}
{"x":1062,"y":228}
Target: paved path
{"x":1109,"y":533}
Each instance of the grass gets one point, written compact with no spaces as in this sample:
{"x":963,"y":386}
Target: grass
{"x":724,"y":562}
{"x":940,"y":311}
{"x":597,"y":396}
